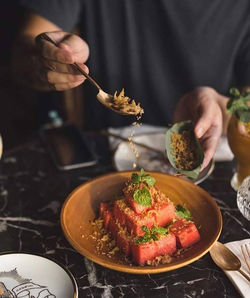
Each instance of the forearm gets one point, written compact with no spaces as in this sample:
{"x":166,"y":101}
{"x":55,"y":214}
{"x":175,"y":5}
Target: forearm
{"x":27,"y":67}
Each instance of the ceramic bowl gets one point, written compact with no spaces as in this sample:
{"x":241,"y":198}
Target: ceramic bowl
{"x":81,"y":207}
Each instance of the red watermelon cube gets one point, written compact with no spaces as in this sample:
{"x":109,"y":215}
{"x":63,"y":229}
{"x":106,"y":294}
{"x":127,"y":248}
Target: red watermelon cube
{"x":128,"y":218}
{"x":128,"y":193}
{"x":120,"y":235}
{"x":165,"y":213}
{"x":186,"y":232}
{"x":123,"y":242}
{"x":162,"y":215}
{"x":138,"y":209}
{"x":136,"y":223}
{"x":166,"y":245}
{"x":113,"y":227}
{"x":105,"y":214}
{"x":141,"y":253}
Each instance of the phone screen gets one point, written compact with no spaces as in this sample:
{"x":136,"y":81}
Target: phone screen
{"x":68,"y":147}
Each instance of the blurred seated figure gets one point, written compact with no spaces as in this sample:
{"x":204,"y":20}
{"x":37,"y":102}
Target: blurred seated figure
{"x":177,"y":58}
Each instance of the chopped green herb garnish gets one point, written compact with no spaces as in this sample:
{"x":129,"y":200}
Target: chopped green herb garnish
{"x":150,"y":234}
{"x":143,"y":197}
{"x":244,"y":116}
{"x":145,"y":229}
{"x":142,"y":239}
{"x":183,"y":212}
{"x":238,"y":104}
{"x":154,"y":237}
{"x":160,"y":230}
{"x":135,"y":178}
{"x":142,"y":177}
{"x":145,"y":238}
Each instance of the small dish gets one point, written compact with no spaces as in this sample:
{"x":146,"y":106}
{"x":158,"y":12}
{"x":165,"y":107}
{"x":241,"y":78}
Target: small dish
{"x":124,"y":158}
{"x":81,"y":207}
{"x":27,"y":275}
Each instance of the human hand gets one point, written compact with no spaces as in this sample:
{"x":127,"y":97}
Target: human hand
{"x":203,"y":108}
{"x":54,"y":69}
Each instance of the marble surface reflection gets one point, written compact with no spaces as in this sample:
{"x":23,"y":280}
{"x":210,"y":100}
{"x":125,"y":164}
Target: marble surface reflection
{"x":32,"y":193}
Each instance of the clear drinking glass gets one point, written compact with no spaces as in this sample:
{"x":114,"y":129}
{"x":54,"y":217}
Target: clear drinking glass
{"x":243,"y":198}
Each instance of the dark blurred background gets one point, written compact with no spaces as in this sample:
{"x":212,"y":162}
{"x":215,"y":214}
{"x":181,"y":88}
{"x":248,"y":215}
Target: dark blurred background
{"x":24,"y":111}
{"x":18,"y":119}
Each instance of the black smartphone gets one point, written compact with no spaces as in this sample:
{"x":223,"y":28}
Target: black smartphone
{"x":68,"y":147}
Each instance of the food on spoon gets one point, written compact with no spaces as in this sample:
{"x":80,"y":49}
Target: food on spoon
{"x":145,"y":223}
{"x":183,"y":149}
{"x":125,"y":104}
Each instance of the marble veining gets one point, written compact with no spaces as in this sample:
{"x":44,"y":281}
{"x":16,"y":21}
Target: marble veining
{"x":32,"y":192}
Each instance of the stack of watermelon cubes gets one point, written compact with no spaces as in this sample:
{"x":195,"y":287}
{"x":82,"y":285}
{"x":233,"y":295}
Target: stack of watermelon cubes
{"x":145,"y":223}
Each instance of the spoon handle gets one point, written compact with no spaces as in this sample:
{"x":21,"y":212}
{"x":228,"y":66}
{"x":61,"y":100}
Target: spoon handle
{"x":245,"y":275}
{"x":87,"y":76}
{"x":77,"y":66}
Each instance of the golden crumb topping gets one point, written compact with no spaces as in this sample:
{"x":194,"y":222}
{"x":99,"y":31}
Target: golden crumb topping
{"x":126,"y":104}
{"x":184,"y":150}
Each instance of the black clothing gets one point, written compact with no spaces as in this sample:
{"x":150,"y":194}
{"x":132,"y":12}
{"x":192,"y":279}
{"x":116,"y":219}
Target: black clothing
{"x":156,"y":49}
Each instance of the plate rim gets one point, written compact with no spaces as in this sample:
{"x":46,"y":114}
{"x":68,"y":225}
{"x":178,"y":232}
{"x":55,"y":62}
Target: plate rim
{"x":70,"y":275}
{"x":133,"y":269}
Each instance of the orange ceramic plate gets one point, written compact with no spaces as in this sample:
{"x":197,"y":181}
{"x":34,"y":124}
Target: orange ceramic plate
{"x":82,"y":204}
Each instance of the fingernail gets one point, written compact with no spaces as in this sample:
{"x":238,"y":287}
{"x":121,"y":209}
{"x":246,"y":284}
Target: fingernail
{"x":199,"y":132}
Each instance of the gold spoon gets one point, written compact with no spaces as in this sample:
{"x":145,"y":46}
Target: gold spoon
{"x":104,"y":98}
{"x":225,"y":259}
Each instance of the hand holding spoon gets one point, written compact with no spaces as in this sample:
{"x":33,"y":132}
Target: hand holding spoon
{"x":119,"y":104}
{"x":225,"y":259}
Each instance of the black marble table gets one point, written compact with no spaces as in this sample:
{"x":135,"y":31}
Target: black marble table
{"x":32,"y":193}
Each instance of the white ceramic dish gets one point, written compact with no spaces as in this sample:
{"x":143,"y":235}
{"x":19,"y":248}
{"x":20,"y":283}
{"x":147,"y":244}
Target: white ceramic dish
{"x":124,"y":158}
{"x":25,"y":275}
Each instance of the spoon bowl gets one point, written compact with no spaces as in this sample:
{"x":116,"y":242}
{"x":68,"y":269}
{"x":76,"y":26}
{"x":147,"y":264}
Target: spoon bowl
{"x":225,"y":259}
{"x":108,"y":100}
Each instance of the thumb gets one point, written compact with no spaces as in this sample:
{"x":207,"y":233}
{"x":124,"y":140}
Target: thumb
{"x":204,"y":121}
{"x":47,"y":43}
{"x":76,"y":46}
